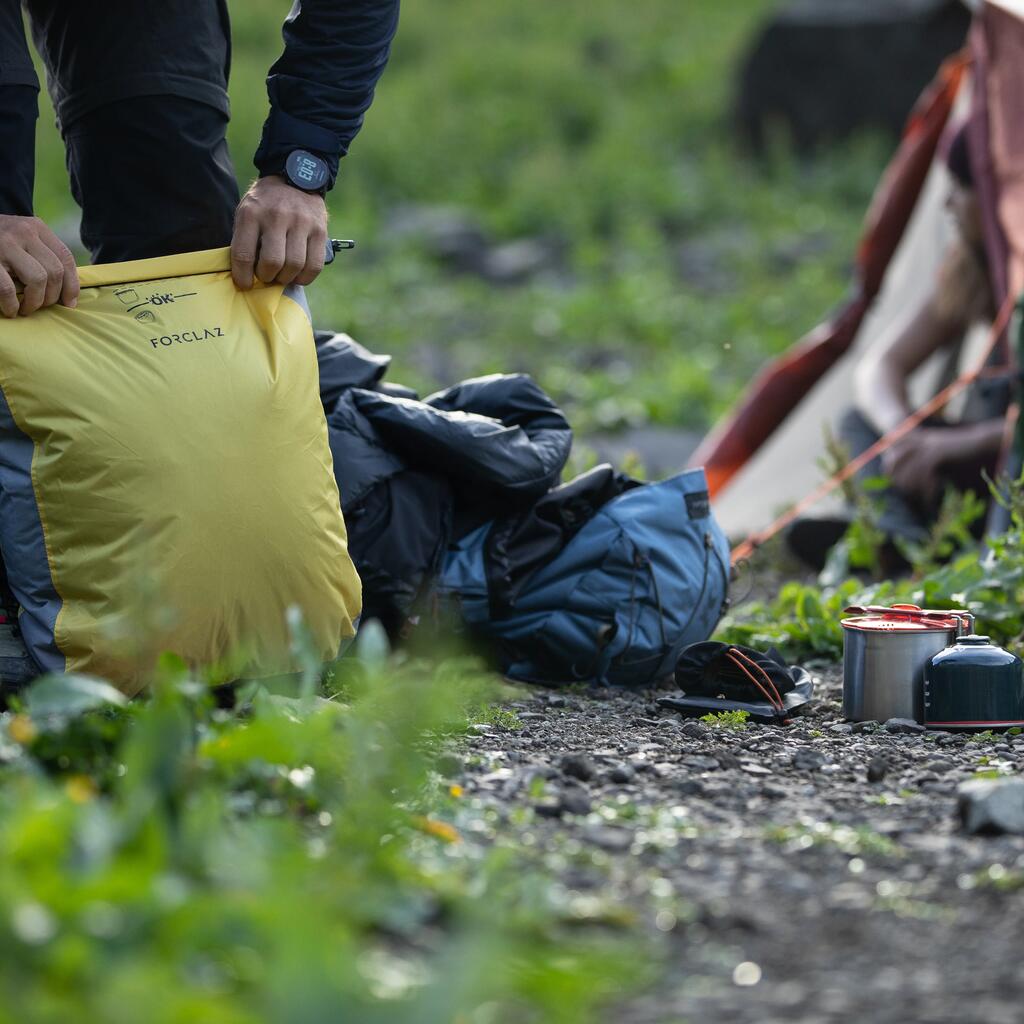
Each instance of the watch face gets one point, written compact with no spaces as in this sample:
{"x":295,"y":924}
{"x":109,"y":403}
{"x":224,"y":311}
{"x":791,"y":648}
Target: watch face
{"x":306,"y":171}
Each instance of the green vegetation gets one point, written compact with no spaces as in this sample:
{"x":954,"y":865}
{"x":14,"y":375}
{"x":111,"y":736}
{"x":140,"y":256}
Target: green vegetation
{"x":291,"y":858}
{"x":855,"y":842}
{"x":988,"y":580}
{"x":502,"y":718}
{"x":728,"y":721}
{"x":684,"y":265}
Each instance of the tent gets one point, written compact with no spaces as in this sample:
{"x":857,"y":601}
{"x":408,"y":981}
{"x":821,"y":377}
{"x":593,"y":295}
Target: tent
{"x":765,"y":455}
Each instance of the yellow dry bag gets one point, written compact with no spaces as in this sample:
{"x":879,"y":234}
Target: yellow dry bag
{"x":165,"y":477}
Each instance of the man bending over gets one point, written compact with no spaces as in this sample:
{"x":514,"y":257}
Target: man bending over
{"x":140,"y":91}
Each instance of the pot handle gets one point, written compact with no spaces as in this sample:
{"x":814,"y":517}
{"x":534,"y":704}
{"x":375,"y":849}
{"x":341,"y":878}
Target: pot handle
{"x":966,"y":620}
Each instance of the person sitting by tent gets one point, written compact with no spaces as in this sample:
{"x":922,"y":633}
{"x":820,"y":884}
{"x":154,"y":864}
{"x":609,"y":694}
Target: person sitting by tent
{"x":941,"y":452}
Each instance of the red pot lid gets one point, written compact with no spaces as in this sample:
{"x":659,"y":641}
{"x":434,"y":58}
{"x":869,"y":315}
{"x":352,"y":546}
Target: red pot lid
{"x":902,"y":618}
{"x":883,"y":624}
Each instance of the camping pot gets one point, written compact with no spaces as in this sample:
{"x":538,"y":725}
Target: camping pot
{"x":885,"y":651}
{"x":974,"y":685}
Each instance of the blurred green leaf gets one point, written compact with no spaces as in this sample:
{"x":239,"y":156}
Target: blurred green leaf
{"x":68,"y":695}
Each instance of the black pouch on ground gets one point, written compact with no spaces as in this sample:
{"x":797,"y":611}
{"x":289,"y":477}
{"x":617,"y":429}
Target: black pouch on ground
{"x":416,"y":475}
{"x":716,"y":677}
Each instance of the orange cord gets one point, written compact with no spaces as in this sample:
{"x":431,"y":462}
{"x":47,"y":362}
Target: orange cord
{"x":740,"y":660}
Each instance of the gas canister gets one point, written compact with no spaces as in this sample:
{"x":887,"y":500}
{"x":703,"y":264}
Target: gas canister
{"x":974,"y":685}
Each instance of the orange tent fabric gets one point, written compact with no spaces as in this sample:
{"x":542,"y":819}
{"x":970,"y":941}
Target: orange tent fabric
{"x":996,"y":136}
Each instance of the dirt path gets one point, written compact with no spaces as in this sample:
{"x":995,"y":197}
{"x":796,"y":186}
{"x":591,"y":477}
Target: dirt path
{"x":779,"y":882}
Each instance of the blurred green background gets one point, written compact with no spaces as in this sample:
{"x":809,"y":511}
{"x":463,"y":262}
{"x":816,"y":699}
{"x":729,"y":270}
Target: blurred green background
{"x":584,"y":158}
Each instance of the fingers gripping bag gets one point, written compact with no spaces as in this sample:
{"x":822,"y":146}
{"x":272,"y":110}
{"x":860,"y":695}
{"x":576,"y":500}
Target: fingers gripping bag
{"x":166,"y":482}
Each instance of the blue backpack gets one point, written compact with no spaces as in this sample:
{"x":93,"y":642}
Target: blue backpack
{"x":644,"y":576}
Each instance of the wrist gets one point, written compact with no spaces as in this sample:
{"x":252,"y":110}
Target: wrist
{"x":283,"y":136}
{"x":302,"y":170}
{"x":981,"y":439}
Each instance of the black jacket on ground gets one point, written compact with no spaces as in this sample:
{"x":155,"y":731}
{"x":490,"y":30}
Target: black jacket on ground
{"x":415,"y":475}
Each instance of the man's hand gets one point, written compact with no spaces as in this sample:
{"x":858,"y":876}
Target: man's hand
{"x":913,"y":462}
{"x":30,"y":253}
{"x":280,"y":233}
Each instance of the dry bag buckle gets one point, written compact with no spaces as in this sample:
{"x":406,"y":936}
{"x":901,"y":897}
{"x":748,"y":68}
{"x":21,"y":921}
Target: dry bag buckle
{"x":335,"y":245}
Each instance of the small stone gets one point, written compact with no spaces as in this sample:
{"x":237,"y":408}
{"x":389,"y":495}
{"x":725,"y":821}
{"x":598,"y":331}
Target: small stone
{"x":575,"y":801}
{"x":621,"y":773}
{"x":690,"y":787}
{"x":578,"y":766}
{"x":695,"y":730}
{"x":991,"y":806}
{"x":878,"y":767}
{"x":809,"y":759}
{"x":727,"y":759}
{"x":700,"y":763}
{"x":940,"y":765}
{"x":548,"y":809}
{"x":449,"y":234}
{"x":554,"y":701}
{"x":841,"y":728}
{"x":518,"y":261}
{"x":610,"y":838}
{"x":905,"y":726}
{"x":864,"y":726}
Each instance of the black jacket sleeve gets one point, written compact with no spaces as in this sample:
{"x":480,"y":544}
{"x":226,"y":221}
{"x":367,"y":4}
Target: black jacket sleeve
{"x":335,"y":50}
{"x":18,"y":112}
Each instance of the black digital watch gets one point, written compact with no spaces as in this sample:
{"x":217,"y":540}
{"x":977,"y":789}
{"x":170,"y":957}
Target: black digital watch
{"x":307,"y":172}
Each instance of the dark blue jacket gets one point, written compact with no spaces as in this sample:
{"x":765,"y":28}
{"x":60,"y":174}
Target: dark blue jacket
{"x":335,"y":50}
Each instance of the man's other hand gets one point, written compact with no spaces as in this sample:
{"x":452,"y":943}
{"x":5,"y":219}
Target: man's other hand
{"x":280,"y":234}
{"x":33,"y":256}
{"x":913,"y":462}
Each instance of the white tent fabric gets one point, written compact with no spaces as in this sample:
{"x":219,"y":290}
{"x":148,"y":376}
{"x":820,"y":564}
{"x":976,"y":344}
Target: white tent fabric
{"x":787,"y":466}
{"x":1013,"y":6}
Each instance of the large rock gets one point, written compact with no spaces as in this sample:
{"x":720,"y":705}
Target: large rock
{"x":824,"y":69}
{"x":992,"y":806}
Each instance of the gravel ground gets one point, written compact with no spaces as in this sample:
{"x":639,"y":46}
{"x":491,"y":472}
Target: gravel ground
{"x":816,"y":872}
